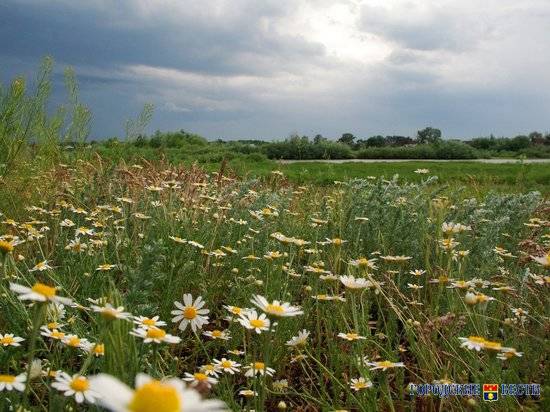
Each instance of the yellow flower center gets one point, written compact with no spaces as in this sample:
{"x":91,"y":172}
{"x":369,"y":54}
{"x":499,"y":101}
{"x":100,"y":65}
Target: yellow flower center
{"x":155,"y":333}
{"x":57,"y":335}
{"x":155,"y":396}
{"x":99,"y":349}
{"x":278,"y":309}
{"x":5,"y":247}
{"x":492,"y":345}
{"x":190,"y":312}
{"x":148,"y":322}
{"x":44,"y":290}
{"x":352,"y":336}
{"x":200,"y":376}
{"x":74,"y":341}
{"x":476,"y":339}
{"x":336,"y":242}
{"x":7,"y":378}
{"x":385,"y":364}
{"x":217,"y":333}
{"x":6,"y":340}
{"x":257,"y":323}
{"x":109,"y":313}
{"x":226,"y":364}
{"x":259,"y":365}
{"x":52,"y":325}
{"x":80,"y":384}
{"x":236,"y":310}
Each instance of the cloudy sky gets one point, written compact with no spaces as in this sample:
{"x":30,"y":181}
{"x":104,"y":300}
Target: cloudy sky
{"x":268,"y":68}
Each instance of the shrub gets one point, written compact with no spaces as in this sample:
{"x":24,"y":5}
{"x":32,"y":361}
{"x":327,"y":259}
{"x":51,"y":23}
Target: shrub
{"x":442,"y":150}
{"x":305,"y":150}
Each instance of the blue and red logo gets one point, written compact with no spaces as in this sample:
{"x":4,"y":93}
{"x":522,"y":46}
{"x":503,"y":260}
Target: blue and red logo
{"x":490,"y":392}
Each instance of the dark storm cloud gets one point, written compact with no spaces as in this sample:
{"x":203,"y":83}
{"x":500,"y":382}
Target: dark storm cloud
{"x":264,"y":69}
{"x":106,"y":36}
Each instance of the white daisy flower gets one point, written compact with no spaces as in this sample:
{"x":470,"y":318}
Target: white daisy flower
{"x":10,"y":340}
{"x":360,"y":383}
{"x":364,"y":263}
{"x":542,"y":260}
{"x":473,"y":342}
{"x":52,"y":333}
{"x":84,"y":231}
{"x":38,"y":292}
{"x":258,"y":368}
{"x":144,"y":322}
{"x":384,"y":365}
{"x":66,"y":223}
{"x":251,"y":320}
{"x":210,"y":369}
{"x":96,"y":349}
{"x":299,"y":340}
{"x":190,"y":313}
{"x":351,"y":336}
{"x":508,"y":353}
{"x":108,"y":311}
{"x":155,"y":335}
{"x":236,"y":310}
{"x":352,"y":282}
{"x":195,"y":244}
{"x":276,"y":308}
{"x":199,"y":378}
{"x":77,"y":386}
{"x":11,"y":382}
{"x":41,"y":266}
{"x":169,"y":395}
{"x":227,"y":365}
{"x":74,"y":341}
{"x":218,"y":334}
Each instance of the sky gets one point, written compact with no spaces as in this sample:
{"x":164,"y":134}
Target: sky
{"x":264,"y":69}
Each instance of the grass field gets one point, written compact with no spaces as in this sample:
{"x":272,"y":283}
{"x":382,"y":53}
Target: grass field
{"x":475,"y":178}
{"x":314,"y":295}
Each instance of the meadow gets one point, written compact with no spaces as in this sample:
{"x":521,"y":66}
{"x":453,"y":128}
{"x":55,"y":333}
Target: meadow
{"x":210,"y":290}
{"x":198,"y":276}
{"x":474,"y":177}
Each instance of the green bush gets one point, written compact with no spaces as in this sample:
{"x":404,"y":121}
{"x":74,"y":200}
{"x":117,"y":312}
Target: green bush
{"x":442,"y":150}
{"x":305,"y":150}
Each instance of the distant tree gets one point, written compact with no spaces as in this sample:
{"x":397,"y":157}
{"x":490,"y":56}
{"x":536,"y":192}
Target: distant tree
{"x":347,"y":138}
{"x":484,"y":143}
{"x":536,"y":138}
{"x":319,"y":139}
{"x":428,"y":135}
{"x":516,"y":143}
{"x":376,"y":141}
{"x":360,"y":144}
{"x":398,"y":140}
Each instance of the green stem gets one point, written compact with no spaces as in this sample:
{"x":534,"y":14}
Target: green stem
{"x":39,"y":311}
